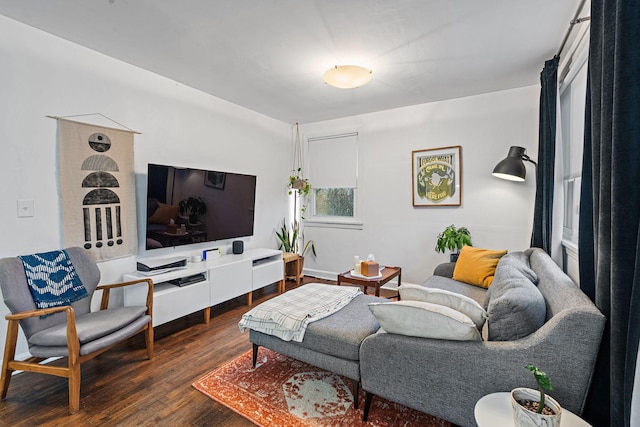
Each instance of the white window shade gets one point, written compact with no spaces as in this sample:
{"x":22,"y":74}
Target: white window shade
{"x":333,"y":161}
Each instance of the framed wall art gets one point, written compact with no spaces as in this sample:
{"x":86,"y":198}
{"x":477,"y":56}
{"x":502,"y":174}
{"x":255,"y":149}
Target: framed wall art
{"x":437,"y":176}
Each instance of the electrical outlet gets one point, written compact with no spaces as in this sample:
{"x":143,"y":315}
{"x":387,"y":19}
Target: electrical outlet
{"x":25,"y":208}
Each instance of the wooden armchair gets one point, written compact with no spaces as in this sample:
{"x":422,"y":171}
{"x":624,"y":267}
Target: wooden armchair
{"x":71,"y":331}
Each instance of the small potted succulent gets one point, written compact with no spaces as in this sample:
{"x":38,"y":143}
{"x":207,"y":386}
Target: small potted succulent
{"x":454,"y":239}
{"x":534,"y":408}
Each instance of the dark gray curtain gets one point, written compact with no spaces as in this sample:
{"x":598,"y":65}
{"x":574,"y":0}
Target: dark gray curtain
{"x":610,"y":204}
{"x":543,"y":211}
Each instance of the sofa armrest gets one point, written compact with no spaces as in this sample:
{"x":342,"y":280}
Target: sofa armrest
{"x":445,"y":269}
{"x":446,"y":378}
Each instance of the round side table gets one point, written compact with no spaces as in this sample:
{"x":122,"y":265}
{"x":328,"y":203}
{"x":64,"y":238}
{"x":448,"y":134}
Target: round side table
{"x":494,"y":410}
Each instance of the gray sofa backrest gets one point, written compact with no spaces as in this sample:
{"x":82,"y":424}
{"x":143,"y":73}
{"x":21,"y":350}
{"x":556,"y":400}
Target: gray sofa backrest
{"x":559,"y":291}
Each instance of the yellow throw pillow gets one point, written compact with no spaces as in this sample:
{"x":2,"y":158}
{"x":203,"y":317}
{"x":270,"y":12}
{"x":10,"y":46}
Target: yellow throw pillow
{"x":477,"y":266}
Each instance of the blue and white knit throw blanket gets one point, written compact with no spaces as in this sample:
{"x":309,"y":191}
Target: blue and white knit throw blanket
{"x":53,"y":281}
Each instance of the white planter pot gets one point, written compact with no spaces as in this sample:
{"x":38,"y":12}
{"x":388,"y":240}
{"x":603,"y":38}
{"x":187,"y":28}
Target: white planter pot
{"x":523,"y":417}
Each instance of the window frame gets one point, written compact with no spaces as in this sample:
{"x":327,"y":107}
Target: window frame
{"x":355,"y":222}
{"x":571,"y":179}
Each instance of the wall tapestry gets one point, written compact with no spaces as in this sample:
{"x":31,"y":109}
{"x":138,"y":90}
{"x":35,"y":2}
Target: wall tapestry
{"x":437,"y":176}
{"x":97,"y":186}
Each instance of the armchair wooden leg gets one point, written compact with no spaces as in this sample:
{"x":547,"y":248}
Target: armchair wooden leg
{"x":9,"y":354}
{"x":148,"y":334}
{"x":74,"y":388}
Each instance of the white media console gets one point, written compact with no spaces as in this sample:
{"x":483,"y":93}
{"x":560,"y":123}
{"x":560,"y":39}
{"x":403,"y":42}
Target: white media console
{"x":214,"y":281}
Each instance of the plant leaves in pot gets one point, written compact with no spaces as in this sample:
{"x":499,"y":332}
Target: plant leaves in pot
{"x":454,"y":239}
{"x":292,"y":240}
{"x":534,"y":408}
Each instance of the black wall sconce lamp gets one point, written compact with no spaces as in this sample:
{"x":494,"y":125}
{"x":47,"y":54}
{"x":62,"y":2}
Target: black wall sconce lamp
{"x":512,"y":167}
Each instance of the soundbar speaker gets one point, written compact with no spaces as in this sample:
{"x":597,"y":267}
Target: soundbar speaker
{"x":238,"y":247}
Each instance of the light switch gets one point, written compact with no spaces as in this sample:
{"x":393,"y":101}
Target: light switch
{"x":25,"y":208}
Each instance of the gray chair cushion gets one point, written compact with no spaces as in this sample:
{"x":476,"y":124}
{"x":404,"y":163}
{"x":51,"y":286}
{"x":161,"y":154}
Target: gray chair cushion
{"x":90,"y":326}
{"x":516,"y":308}
{"x":100,"y":343}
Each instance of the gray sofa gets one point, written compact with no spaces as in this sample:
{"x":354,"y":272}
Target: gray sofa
{"x":444,"y":378}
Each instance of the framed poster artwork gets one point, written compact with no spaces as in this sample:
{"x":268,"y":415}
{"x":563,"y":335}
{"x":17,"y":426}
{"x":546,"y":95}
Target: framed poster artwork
{"x":437,"y":176}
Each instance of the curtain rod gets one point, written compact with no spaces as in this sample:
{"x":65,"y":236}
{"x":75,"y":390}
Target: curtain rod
{"x":574,"y":21}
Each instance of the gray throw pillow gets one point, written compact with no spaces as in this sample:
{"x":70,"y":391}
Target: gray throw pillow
{"x":516,"y":308}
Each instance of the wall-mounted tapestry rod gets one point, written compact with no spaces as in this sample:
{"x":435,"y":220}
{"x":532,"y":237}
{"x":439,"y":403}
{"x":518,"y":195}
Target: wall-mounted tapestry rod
{"x":573,"y":22}
{"x":93,"y":114}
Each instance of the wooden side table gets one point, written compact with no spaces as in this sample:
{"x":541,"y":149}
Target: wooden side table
{"x":287,"y":258}
{"x":494,"y":410}
{"x":388,"y":273}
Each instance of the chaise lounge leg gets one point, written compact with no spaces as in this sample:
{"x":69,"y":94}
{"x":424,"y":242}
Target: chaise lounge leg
{"x":356,"y":394}
{"x":255,"y":354}
{"x":367,"y":404}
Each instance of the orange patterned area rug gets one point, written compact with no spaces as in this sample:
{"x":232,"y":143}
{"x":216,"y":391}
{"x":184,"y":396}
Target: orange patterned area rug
{"x":282,"y":391}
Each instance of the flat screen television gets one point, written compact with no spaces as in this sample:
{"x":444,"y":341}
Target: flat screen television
{"x":187,"y":206}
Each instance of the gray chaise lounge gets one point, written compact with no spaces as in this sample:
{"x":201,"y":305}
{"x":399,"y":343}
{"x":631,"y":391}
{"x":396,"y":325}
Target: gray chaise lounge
{"x":332,"y":343}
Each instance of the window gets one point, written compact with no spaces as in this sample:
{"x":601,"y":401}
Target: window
{"x":572,"y":104}
{"x":333,"y":173}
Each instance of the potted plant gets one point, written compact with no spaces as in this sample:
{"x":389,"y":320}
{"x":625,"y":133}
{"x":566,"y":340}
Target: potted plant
{"x":194,"y":207}
{"x":301,"y":186}
{"x":533,"y":407}
{"x":293,"y":241}
{"x":454,"y":239}
{"x":298,"y":184}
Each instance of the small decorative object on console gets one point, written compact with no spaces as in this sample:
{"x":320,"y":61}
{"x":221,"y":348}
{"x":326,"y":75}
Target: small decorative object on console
{"x":211,"y":253}
{"x":238,"y":247}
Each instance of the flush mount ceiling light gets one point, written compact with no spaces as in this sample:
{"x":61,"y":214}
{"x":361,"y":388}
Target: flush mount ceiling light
{"x":347,"y":76}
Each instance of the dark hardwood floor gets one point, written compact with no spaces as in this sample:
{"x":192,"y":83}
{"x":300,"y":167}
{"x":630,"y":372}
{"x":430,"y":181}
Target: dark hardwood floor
{"x":121,"y":387}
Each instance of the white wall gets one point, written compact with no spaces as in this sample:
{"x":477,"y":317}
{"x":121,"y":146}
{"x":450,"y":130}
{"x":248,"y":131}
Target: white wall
{"x":41,"y":75}
{"x":498,"y":213}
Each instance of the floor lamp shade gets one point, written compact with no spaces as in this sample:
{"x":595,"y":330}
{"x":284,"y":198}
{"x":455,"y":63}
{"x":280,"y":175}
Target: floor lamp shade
{"x":512,"y":167}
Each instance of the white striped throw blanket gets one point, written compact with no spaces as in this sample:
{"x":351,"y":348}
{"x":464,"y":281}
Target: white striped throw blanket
{"x":52,"y":279}
{"x":288,"y":315}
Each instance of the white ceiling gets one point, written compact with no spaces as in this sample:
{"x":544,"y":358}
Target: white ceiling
{"x":269,"y":55}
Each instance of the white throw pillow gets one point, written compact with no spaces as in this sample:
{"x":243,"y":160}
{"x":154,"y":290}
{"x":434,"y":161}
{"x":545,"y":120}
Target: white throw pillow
{"x":454,"y":300}
{"x":424,"y":319}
